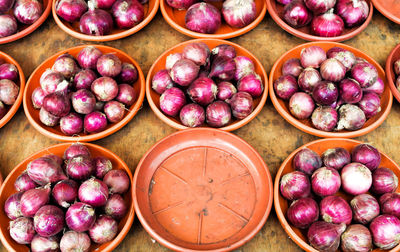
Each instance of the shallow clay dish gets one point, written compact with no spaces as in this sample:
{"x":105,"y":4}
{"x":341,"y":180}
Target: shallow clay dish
{"x":154,"y":98}
{"x":150,"y":10}
{"x":391,"y":77}
{"x":176,"y":19}
{"x":276,"y":11}
{"x":388,"y":8}
{"x":201,"y":190}
{"x":7,"y":189}
{"x":305,"y":125}
{"x":21,"y":83}
{"x":55,"y":132}
{"x":319,"y":146}
{"x":24,"y":30}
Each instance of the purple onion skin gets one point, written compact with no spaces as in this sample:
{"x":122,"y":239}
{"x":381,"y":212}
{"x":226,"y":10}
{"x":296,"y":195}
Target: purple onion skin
{"x":88,"y":56}
{"x":103,"y":4}
{"x":312,"y":56}
{"x":104,"y":229}
{"x":51,"y":82}
{"x":325,"y":93}
{"x":117,"y":181}
{"x":8,"y":91}
{"x":307,"y":161}
{"x":336,"y":158}
{"x":12,"y":206}
{"x":370,"y":104}
{"x":241,"y":105}
{"x":48,"y":220}
{"x":356,"y":179}
{"x":65,"y":192}
{"x":351,"y":117}
{"x":303,"y":212}
{"x":251,"y":84}
{"x":22,"y":230}
{"x":114,"y":111}
{"x":171,"y":101}
{"x":76,"y":149}
{"x":6,"y":5}
{"x":292,"y":66}
{"x":325,"y":181}
{"x":301,"y":105}
{"x":80,"y":167}
{"x":181,"y":4}
{"x":126,"y":94}
{"x":129,"y":74}
{"x":367,"y":155}
{"x":350,"y":91}
{"x":71,"y":124}
{"x":116,"y":207}
{"x":308,"y":79}
{"x":95,"y":122}
{"x":68,"y":242}
{"x":378,"y":87}
{"x":8,"y":25}
{"x":80,"y":217}
{"x":285,"y":86}
{"x":57,"y":104}
{"x":45,"y":244}
{"x":356,"y":238}
{"x":96,"y":22}
{"x":325,"y":236}
{"x":365,"y":208}
{"x":102,"y":165}
{"x":203,"y":18}
{"x":390,"y":204}
{"x":295,"y":185}
{"x":332,"y":70}
{"x":161,"y":81}
{"x":223,"y":68}
{"x":225,"y":90}
{"x":171,"y":60}
{"x":324,"y":118}
{"x":296,"y":14}
{"x":192,"y":115}
{"x":27,"y":11}
{"x":327,"y":25}
{"x":84,"y":79}
{"x":83,"y":101}
{"x":385,"y":231}
{"x":197,"y":52}
{"x":364,"y":73}
{"x":347,"y":58}
{"x":45,"y":170}
{"x":55,"y":158}
{"x":352,"y":12}
{"x":184,"y":72}
{"x":24,"y":183}
{"x":127,"y":13}
{"x":105,"y":88}
{"x":71,"y":10}
{"x":218,"y":114}
{"x":47,"y":118}
{"x":109,"y":65}
{"x":238,"y":13}
{"x":244,"y":66}
{"x":93,"y":192}
{"x":384,"y":181}
{"x":202,"y":91}
{"x":319,"y":6}
{"x":336,"y":210}
{"x":9,"y":72}
{"x":223,"y":50}
{"x":66,"y":65}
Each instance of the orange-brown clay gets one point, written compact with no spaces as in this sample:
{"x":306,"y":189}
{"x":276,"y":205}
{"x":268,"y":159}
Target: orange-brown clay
{"x":389,"y":8}
{"x":391,"y":77}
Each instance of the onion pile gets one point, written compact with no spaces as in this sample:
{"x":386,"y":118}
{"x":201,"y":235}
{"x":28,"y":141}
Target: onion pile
{"x":327,"y":18}
{"x":219,"y":85}
{"x":86,"y":93}
{"x":367,"y":215}
{"x":74,"y":208}
{"x":9,"y":89}
{"x":331,"y":88}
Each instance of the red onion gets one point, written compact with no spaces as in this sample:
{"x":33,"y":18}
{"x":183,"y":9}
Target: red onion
{"x":71,"y":10}
{"x":223,"y":50}
{"x":12,"y":206}
{"x":390,"y":204}
{"x":80,"y":217}
{"x":117,"y":181}
{"x":223,"y":68}
{"x":396,"y":67}
{"x":88,"y":56}
{"x":301,"y":105}
{"x":292,"y":66}
{"x":324,"y":118}
{"x":53,"y":81}
{"x":295,"y":185}
{"x":356,"y":178}
{"x":84,"y":79}
{"x":102,"y":165}
{"x":83,"y":101}
{"x":351,"y":117}
{"x":385,"y":231}
{"x":312,"y":56}
{"x":171,"y":60}
{"x":353,"y":12}
{"x":109,"y":65}
{"x":308,"y":79}
{"x":80,"y":167}
{"x":45,"y":170}
{"x":114,"y":111}
{"x":129,"y":73}
{"x":325,"y":181}
{"x":181,"y":4}
{"x":336,"y":158}
{"x":285,"y":86}
{"x":241,"y":104}
{"x":8,"y":91}
{"x":239,"y":13}
{"x":8,"y":71}
{"x":57,"y":104}
{"x":71,"y":124}
{"x":320,"y":6}
{"x":48,"y":220}
{"x":24,"y":183}
{"x":378,"y":87}
{"x":332,"y":70}
{"x":69,"y":242}
{"x":172,"y":100}
{"x":365,"y":208}
{"x":197,"y":52}
{"x":202,"y":91}
{"x":356,"y":238}
{"x":55,"y":158}
{"x":95,"y":22}
{"x":303,"y":212}
{"x":37,"y":97}
{"x":126,"y":94}
{"x":95,"y":122}
{"x":22,"y":230}
{"x":27,"y":11}
{"x":350,"y":91}
{"x":8,"y":25}
{"x":244,"y":66}
{"x":93,"y":192}
{"x":367,"y":155}
{"x":325,"y":93}
{"x":296,"y":14}
{"x":365,"y":73}
{"x":307,"y":161}
{"x":65,"y":192}
{"x":327,"y":25}
{"x":218,"y":114}
{"x":116,"y":207}
{"x":184,"y":72}
{"x":48,"y":119}
{"x":76,"y":149}
{"x":104,"y":229}
{"x":105,"y":88}
{"x":192,"y":115}
{"x":33,"y":199}
{"x":161,"y":81}
{"x":251,"y":84}
{"x":127,"y":13}
{"x":203,"y":18}
{"x":325,"y":236}
{"x":370,"y":104}
{"x":6,"y":5}
{"x":335,"y":209}
{"x":44,"y":244}
{"x":384,"y":181}
{"x":225,"y":90}
{"x":347,"y":58}
{"x":103,"y":4}
{"x":66,"y":65}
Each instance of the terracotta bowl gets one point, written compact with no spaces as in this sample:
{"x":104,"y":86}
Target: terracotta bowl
{"x":154,"y":98}
{"x":7,"y":189}
{"x":176,"y":19}
{"x":305,"y":125}
{"x":202,"y":190}
{"x":275,"y":9}
{"x":24,"y":30}
{"x":391,"y":77}
{"x":388,"y":8}
{"x":55,"y":132}
{"x":319,"y":146}
{"x":150,"y":10}
{"x":21,"y":83}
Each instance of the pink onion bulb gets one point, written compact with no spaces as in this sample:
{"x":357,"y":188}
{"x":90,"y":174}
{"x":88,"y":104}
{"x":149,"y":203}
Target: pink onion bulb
{"x":324,"y":118}
{"x":347,"y":58}
{"x":171,"y":101}
{"x":22,"y":230}
{"x":184,"y":72}
{"x":353,"y":12}
{"x":390,"y":204}
{"x":364,"y":73}
{"x":367,"y":155}
{"x":336,"y":210}
{"x":327,"y":25}
{"x":365,"y":208}
{"x":351,"y":117}
{"x":171,"y":60}
{"x":308,"y":79}
{"x":239,"y":13}
{"x":350,"y":91}
{"x":307,"y":161}
{"x":370,"y":104}
{"x":303,"y":212}
{"x":297,"y":14}
{"x":325,"y":181}
{"x":71,"y":124}
{"x":385,"y":231}
{"x":336,"y":158}
{"x":8,"y":25}
{"x":44,"y":244}
{"x":356,"y":238}
{"x":71,"y":10}
{"x":96,"y":22}
{"x":332,"y":70}
{"x":295,"y":185}
{"x":241,"y":105}
{"x":218,"y":114}
{"x":203,"y":18}
{"x":181,"y":4}
{"x":325,"y":236}
{"x":27,"y":11}
{"x":356,"y":178}
{"x":127,"y":13}
{"x":69,"y":242}
{"x":88,"y":56}
{"x":197,"y":52}
{"x":312,"y":56}
{"x":244,"y":66}
{"x":76,"y":149}
{"x":384,"y":180}
{"x":301,"y":105}
{"x":320,"y":6}
{"x":192,"y":115}
{"x":202,"y":91}
{"x":292,"y":66}
{"x":285,"y":86}
{"x":251,"y":84}
{"x":104,"y":229}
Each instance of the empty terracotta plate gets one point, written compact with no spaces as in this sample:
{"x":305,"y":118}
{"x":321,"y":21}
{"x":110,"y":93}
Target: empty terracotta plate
{"x":281,"y":204}
{"x":388,"y":8}
{"x":55,"y":132}
{"x":201,"y":190}
{"x":176,"y":19}
{"x":21,"y":83}
{"x":154,"y":98}
{"x":7,"y":189}
{"x":391,"y":77}
{"x":24,"y":30}
{"x":305,"y":125}
{"x":275,"y":9}
{"x":150,"y":10}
